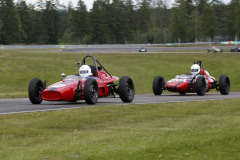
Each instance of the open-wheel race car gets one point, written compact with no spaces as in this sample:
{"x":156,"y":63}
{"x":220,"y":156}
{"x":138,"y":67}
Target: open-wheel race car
{"x":142,"y":50}
{"x":214,"y":50}
{"x":92,"y":82}
{"x":198,"y":81}
{"x":236,"y":49}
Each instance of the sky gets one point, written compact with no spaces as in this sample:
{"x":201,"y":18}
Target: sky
{"x":88,"y":3}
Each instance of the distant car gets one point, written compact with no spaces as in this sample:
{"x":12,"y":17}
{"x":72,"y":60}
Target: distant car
{"x":214,"y":50}
{"x":99,"y":83}
{"x":142,"y":50}
{"x":236,"y":49}
{"x":192,"y":83}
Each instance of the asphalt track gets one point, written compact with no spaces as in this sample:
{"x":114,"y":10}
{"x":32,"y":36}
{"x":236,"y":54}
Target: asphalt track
{"x":129,"y":49}
{"x":23,"y":105}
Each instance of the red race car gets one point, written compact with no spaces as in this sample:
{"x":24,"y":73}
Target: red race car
{"x":198,"y":81}
{"x":92,"y":82}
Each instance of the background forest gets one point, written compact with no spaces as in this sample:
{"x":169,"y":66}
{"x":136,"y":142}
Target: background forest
{"x":118,"y":22}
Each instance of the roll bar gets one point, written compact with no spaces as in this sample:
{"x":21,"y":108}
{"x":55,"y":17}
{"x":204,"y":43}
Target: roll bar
{"x":200,"y":64}
{"x":95,"y":63}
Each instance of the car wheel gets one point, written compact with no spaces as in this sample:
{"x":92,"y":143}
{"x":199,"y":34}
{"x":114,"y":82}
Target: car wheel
{"x":126,"y":89}
{"x":224,"y":84}
{"x":221,"y":50}
{"x":158,"y":85}
{"x":35,"y":90}
{"x":200,"y":85}
{"x":91,"y":91}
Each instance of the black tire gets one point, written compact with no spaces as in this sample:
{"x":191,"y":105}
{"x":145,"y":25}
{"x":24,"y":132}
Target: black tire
{"x":158,"y":85}
{"x":224,"y":84}
{"x":200,"y":85}
{"x":126,"y":89}
{"x":91,"y":91}
{"x":221,"y":50}
{"x":35,"y":90}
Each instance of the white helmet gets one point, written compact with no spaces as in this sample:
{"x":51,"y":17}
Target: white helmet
{"x":195,"y":69}
{"x":85,"y":71}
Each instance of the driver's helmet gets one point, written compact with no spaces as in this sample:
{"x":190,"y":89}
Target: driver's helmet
{"x":195,"y":69}
{"x":85,"y":71}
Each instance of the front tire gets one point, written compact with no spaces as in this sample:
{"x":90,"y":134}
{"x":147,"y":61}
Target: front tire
{"x":126,"y":89}
{"x":91,"y":91}
{"x":158,"y":85}
{"x":35,"y":89}
{"x":200,"y":85}
{"x":224,"y":84}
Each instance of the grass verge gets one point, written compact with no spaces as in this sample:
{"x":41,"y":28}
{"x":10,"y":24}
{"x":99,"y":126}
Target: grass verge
{"x":190,"y":130}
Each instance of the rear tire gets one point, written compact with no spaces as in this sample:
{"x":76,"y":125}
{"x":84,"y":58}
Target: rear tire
{"x":91,"y":91}
{"x":200,"y":85}
{"x":35,"y":90}
{"x":126,"y":89}
{"x":224,"y":84}
{"x":158,"y":85}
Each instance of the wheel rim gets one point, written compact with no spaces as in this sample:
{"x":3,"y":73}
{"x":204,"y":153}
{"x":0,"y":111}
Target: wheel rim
{"x":130,"y":91}
{"x":161,"y":84}
{"x":38,"y":92}
{"x":227,"y":85}
{"x":93,"y":92}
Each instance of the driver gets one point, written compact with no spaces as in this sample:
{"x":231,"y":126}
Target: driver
{"x":195,"y":69}
{"x":85,"y":71}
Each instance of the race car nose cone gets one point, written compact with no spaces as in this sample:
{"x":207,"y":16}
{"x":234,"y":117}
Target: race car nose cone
{"x":51,"y":95}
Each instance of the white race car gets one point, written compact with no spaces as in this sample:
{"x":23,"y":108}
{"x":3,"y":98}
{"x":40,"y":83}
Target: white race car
{"x":214,"y":50}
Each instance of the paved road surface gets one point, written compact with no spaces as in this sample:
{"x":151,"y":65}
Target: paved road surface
{"x":21,"y":105}
{"x":134,"y":49}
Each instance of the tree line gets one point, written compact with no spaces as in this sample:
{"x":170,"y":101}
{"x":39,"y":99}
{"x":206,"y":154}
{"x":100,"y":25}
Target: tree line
{"x":118,"y":21}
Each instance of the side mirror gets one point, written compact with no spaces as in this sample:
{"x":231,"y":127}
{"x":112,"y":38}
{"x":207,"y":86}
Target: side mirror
{"x":78,"y":64}
{"x":63,"y":75}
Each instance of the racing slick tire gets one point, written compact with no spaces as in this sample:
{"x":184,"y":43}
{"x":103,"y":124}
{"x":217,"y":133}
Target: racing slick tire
{"x":91,"y":91}
{"x":35,"y":90}
{"x":200,"y":85}
{"x":224,"y":84}
{"x":158,"y":85}
{"x":126,"y":89}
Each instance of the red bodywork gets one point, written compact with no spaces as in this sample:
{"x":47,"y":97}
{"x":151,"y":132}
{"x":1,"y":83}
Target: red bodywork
{"x":186,"y":83}
{"x":65,"y":90}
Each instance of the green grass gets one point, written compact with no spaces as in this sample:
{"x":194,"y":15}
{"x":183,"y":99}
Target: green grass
{"x":18,"y":67}
{"x":206,"y":130}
